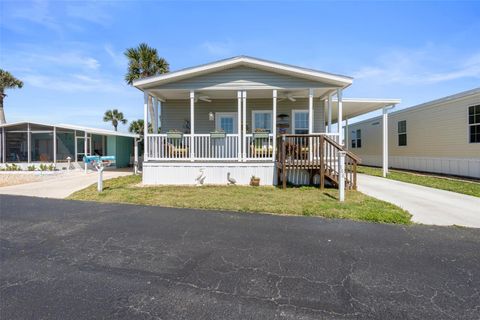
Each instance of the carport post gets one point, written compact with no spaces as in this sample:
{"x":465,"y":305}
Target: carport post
{"x":385,"y":139}
{"x":340,"y":115}
{"x":85,"y":147}
{"x":3,"y":151}
{"x":29,"y":143}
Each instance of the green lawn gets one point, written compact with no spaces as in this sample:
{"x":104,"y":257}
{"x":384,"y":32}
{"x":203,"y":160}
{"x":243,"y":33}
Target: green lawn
{"x":307,"y":201}
{"x":444,"y":183}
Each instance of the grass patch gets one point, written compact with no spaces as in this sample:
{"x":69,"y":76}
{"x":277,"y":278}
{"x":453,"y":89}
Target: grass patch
{"x":445,"y":183}
{"x":306,"y":201}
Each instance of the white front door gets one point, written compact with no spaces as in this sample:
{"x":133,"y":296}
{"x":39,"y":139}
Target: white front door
{"x":226,"y":121}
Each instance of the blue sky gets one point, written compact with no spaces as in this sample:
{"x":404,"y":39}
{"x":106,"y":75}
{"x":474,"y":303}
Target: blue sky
{"x":70,"y":54}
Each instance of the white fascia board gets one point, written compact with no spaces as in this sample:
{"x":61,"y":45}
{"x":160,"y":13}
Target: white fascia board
{"x":341,"y":81}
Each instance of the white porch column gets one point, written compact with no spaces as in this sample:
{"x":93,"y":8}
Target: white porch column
{"x":385,"y":141}
{"x":155,"y":115}
{"x":340,"y":115}
{"x":310,"y":111}
{"x":239,"y":125}
{"x":192,"y":125}
{"x":135,"y":156}
{"x":85,"y":148}
{"x":55,"y":145}
{"x":330,"y":112}
{"x":347,"y":133}
{"x":76,"y":145}
{"x":159,"y":115}
{"x":244,"y":129}
{"x":29,"y":144}
{"x":145,"y":126}
{"x":274,"y":123}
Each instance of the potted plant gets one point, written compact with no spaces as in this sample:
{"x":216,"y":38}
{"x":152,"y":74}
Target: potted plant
{"x":174,"y":134}
{"x":254,"y":181}
{"x":260,"y":134}
{"x":217,"y":134}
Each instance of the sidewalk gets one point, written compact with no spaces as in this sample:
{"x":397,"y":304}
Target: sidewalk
{"x":62,"y":186}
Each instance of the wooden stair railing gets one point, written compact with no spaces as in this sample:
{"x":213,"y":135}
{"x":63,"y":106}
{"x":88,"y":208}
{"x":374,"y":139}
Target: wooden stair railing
{"x":316,"y":154}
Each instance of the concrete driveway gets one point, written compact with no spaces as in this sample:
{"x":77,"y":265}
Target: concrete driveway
{"x":427,"y":205}
{"x":61,"y":186}
{"x":81,"y":260}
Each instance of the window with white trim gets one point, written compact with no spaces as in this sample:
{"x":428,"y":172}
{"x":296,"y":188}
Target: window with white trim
{"x":356,"y":140}
{"x":474,"y":123}
{"x":226,"y":122}
{"x":402,"y":133}
{"x":300,"y":122}
{"x":262,"y":119}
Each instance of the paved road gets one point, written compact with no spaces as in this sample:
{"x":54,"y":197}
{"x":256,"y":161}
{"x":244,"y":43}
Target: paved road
{"x":77,"y":260}
{"x":61,"y":186}
{"x":427,"y":205}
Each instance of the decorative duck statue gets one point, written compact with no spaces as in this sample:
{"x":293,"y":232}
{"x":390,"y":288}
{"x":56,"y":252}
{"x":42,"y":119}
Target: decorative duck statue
{"x":200,"y":179}
{"x":230,"y":179}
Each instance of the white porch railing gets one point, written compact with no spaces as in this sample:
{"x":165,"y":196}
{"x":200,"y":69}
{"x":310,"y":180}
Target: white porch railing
{"x":161,"y":147}
{"x":259,"y":148}
{"x":206,"y":148}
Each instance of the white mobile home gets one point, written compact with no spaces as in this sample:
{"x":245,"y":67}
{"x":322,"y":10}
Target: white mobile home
{"x":243,"y":117}
{"x":440,"y":136}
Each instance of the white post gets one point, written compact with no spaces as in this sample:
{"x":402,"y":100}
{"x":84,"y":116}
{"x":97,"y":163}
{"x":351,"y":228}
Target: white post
{"x":346,"y":134}
{"x":76,"y":145}
{"x":244,"y":99}
{"x":330,"y":113}
{"x":29,"y":144}
{"x":340,"y":115}
{"x":155,"y":115}
{"x":100,"y":180}
{"x":385,"y":142}
{"x":3,"y":151}
{"x":135,"y":156}
{"x":341,"y":175}
{"x":239,"y":125}
{"x":159,"y":115}
{"x":85,"y":147}
{"x":192,"y":125}
{"x":274,"y":123}
{"x":145,"y":126}
{"x":310,"y":111}
{"x":54,"y":145}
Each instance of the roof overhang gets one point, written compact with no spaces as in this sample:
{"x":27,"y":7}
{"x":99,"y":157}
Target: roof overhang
{"x":305,"y":73}
{"x":353,"y":107}
{"x":97,"y":131}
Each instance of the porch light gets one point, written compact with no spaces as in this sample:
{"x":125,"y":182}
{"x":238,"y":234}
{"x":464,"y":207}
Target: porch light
{"x":211,"y":116}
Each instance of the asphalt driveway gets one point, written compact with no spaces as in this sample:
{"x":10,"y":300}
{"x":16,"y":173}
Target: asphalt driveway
{"x":75,"y":260}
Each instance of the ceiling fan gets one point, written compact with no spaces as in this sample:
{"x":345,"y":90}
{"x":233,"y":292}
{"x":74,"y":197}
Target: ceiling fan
{"x":202,"y":98}
{"x":290,"y":96}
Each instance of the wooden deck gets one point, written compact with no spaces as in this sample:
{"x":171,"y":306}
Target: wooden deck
{"x":318,"y":155}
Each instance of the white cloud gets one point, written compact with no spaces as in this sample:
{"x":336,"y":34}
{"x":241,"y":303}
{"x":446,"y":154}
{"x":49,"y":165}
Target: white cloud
{"x":423,"y":66}
{"x":73,"y":83}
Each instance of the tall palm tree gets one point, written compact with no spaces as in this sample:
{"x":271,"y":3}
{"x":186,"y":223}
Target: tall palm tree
{"x":7,"y":81}
{"x":136,"y":126}
{"x":114,"y":117}
{"x":144,"y":61}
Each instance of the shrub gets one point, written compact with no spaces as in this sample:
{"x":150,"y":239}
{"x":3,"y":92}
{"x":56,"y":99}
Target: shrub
{"x":12,"y":167}
{"x":31,"y":168}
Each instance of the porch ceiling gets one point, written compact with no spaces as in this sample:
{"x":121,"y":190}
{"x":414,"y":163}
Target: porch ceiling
{"x":171,"y":94}
{"x":353,"y":107}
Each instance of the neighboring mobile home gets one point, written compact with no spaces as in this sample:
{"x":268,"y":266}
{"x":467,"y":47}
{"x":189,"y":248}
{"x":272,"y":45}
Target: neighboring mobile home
{"x":440,"y":136}
{"x":243,"y":117}
{"x":26,"y":143}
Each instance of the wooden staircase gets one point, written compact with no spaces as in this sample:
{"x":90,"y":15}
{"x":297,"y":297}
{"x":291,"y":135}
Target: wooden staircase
{"x":316,"y":154}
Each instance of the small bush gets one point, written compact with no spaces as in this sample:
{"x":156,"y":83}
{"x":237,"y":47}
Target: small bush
{"x":43,"y":167}
{"x":12,"y":167}
{"x":31,"y":168}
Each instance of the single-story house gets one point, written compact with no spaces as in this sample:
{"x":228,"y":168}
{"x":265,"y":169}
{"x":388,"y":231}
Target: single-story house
{"x":27,"y":143}
{"x":440,"y":136}
{"x":242,"y":117}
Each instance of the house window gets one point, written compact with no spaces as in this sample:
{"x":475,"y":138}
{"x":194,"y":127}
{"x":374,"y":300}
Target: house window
{"x":402,"y":133}
{"x":226,"y":122}
{"x":300,"y":122}
{"x":356,"y":138}
{"x":474,"y":123}
{"x":262,"y":119}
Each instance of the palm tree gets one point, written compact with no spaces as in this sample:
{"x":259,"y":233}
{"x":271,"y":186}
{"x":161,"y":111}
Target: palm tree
{"x":114,"y":117}
{"x":7,"y":81}
{"x":137,"y":127}
{"x":143,"y":61}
